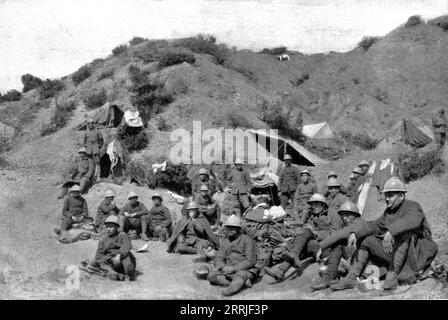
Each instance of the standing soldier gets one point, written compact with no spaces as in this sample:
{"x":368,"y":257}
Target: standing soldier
{"x":241,"y":187}
{"x":400,"y":239}
{"x":440,"y":125}
{"x":82,"y":173}
{"x":303,"y":193}
{"x":289,"y":179}
{"x":352,"y":188}
{"x":93,"y":141}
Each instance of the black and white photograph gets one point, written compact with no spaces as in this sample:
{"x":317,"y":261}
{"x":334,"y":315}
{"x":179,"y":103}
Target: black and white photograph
{"x":223,"y":153}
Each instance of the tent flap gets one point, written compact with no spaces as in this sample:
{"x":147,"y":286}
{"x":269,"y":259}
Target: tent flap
{"x":412,"y":135}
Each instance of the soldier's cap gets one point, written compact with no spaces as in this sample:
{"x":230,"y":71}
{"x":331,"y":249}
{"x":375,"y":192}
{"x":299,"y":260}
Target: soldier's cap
{"x":441,"y":110}
{"x":363,"y":163}
{"x":75,"y":188}
{"x":287,"y":157}
{"x":82,"y":150}
{"x":204,"y":188}
{"x":332,"y":174}
{"x":132,"y":194}
{"x":239,"y":161}
{"x":157,"y":196}
{"x":203,"y":171}
{"x":109,"y":193}
{"x":357,"y":170}
{"x":305,"y":172}
{"x":90,"y":120}
{"x":112,"y":219}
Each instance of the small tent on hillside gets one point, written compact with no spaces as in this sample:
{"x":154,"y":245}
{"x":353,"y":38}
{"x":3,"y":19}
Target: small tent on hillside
{"x":108,"y":116}
{"x":318,"y":131}
{"x":408,"y":132}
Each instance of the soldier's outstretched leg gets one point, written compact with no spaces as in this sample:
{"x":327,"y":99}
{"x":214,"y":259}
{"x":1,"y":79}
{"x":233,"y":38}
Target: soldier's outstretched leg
{"x":238,"y":281}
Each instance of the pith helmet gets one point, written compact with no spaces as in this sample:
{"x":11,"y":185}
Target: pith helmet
{"x":75,"y":188}
{"x":239,"y":161}
{"x":364,"y":163}
{"x":287,"y":157}
{"x":203,"y":171}
{"x":132,"y":194}
{"x":357,"y":170}
{"x":394,"y":184}
{"x":157,"y":196}
{"x":109,"y":193}
{"x":112,"y":219}
{"x":192,"y":205}
{"x":318,"y":198}
{"x":233,"y":221}
{"x":204,"y":188}
{"x":82,"y":150}
{"x":305,"y":172}
{"x":333,"y":182}
{"x":349,"y":206}
{"x":332,"y":174}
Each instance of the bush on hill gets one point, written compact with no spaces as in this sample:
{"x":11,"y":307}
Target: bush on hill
{"x":331,"y":149}
{"x":136,"y":41}
{"x":440,"y":22}
{"x":274,"y":51}
{"x":50,"y":88}
{"x":106,"y":74}
{"x":173,"y":57}
{"x":119,"y":50}
{"x":30,"y":82}
{"x":95,"y":99}
{"x":360,"y":140}
{"x":416,"y":165}
{"x":5,"y":144}
{"x":206,"y":44}
{"x":60,"y":118}
{"x":12,"y":95}
{"x":82,"y":74}
{"x":367,"y":42}
{"x":414,"y":21}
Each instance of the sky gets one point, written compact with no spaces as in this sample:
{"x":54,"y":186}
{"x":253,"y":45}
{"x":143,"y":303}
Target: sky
{"x":53,"y":38}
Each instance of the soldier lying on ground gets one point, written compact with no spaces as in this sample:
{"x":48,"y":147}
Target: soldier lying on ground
{"x":235,"y":261}
{"x":208,"y":207}
{"x":305,"y":243}
{"x":400,"y":239}
{"x":158,"y":222}
{"x":337,"y":244}
{"x":114,"y":253}
{"x":105,"y":209}
{"x":192,"y":234}
{"x":131,"y":216}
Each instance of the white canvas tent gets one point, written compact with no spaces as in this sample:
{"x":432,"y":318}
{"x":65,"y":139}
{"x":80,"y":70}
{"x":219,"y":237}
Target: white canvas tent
{"x":318,"y":131}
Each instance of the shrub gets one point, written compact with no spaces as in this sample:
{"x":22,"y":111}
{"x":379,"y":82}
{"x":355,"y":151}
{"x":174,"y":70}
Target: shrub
{"x":173,"y":57}
{"x":96,"y":63}
{"x":60,"y":118}
{"x":82,"y":74}
{"x":136,"y":40}
{"x":416,"y":165}
{"x":119,"y":50}
{"x":205,"y":44}
{"x":148,"y":96}
{"x":96,"y":99}
{"x":106,"y":74}
{"x":151,"y":51}
{"x":360,"y":140}
{"x":274,"y":51}
{"x":5,"y":144}
{"x":440,"y":22}
{"x":50,"y":88}
{"x":173,"y":178}
{"x":331,"y":149}
{"x":30,"y":82}
{"x":413,"y":21}
{"x":12,"y":95}
{"x":134,"y":142}
{"x":367,"y":42}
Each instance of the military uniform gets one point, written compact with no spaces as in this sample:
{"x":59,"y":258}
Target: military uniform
{"x":93,"y":141}
{"x":302,"y":195}
{"x":440,"y":125}
{"x":198,"y":183}
{"x":335,"y":202}
{"x":241,"y":187}
{"x":105,"y":209}
{"x":158,"y":221}
{"x":73,"y":206}
{"x":241,"y":254}
{"x":288,"y":182}
{"x":109,"y":247}
{"x":135,"y":223}
{"x":209,"y":208}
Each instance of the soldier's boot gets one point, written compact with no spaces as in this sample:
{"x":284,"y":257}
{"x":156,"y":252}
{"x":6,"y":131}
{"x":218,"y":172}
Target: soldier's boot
{"x":278,"y":271}
{"x":350,"y":281}
{"x":391,"y":282}
{"x":186,"y":250}
{"x":322,"y":282}
{"x":144,"y":236}
{"x":235,"y":286}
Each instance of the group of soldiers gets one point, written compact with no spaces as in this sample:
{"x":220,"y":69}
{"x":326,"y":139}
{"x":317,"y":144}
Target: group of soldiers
{"x":327,"y":228}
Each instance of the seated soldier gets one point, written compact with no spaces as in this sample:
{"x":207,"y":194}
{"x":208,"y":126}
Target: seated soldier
{"x":193,"y":234}
{"x":81,"y":174}
{"x":203,"y":179}
{"x":208,"y":207}
{"x":158,"y":222}
{"x":305,"y":243}
{"x":400,"y":239}
{"x":342,"y":189}
{"x":74,"y":210}
{"x":335,"y":197}
{"x":106,"y":208}
{"x":236,"y":259}
{"x":131,"y":215}
{"x":114,"y":252}
{"x":337,"y":244}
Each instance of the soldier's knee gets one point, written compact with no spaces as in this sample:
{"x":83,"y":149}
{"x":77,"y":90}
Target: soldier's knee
{"x":368,"y":242}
